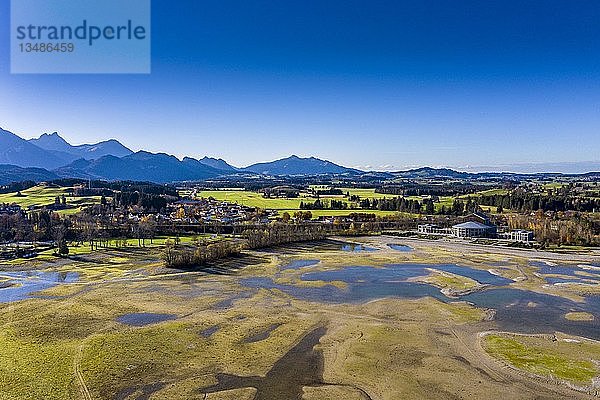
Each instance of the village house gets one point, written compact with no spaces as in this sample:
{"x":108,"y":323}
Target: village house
{"x":6,"y":208}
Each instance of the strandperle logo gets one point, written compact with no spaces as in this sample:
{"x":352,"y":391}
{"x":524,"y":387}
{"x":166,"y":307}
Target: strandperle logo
{"x":80,"y":36}
{"x":85,"y":31}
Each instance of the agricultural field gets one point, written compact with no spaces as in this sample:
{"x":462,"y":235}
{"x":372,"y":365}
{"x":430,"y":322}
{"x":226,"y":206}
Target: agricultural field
{"x":366,"y":193}
{"x":341,"y":213}
{"x":42,"y":195}
{"x":255,"y":199}
{"x":35,"y":196}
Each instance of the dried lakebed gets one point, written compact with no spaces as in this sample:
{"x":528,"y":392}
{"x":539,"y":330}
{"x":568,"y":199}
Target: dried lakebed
{"x":307,"y":321}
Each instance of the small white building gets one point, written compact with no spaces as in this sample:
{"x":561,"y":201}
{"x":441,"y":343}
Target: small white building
{"x":521,"y":235}
{"x":432,"y":229}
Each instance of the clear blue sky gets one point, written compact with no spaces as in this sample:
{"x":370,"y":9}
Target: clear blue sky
{"x":379,"y":84}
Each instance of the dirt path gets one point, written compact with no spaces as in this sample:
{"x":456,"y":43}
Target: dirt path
{"x":76,"y":363}
{"x":488,"y":368}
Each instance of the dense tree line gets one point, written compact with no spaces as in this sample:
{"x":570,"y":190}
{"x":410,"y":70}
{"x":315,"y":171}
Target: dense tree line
{"x":459,"y":207}
{"x":559,"y":228}
{"x":270,"y":235}
{"x":36,"y":226}
{"x":400,"y":204}
{"x":148,"y":201}
{"x":274,"y":234}
{"x":16,"y":187}
{"x":425,"y":189}
{"x":532,"y":202}
{"x":325,"y":204}
{"x":199,"y":254}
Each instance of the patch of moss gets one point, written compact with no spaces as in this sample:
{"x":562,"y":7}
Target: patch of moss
{"x":447,"y":280}
{"x":561,"y":360}
{"x":33,"y":369}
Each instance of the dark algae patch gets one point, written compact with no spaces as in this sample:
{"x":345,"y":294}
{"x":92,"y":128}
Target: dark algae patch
{"x":142,"y":319}
{"x":146,"y":392}
{"x":262,"y":335}
{"x":208,"y":332}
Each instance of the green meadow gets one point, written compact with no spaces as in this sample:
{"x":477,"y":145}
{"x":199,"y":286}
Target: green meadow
{"x":255,"y":199}
{"x":42,"y":195}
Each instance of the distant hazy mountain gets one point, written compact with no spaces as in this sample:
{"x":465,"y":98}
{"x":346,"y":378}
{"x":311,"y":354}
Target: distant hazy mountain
{"x":578,"y":167}
{"x":447,"y":173}
{"x":140,"y":166}
{"x":218,"y":163}
{"x":17,"y":151}
{"x":428,"y":172}
{"x":54,"y":143}
{"x":295,"y":165}
{"x":13,"y":173}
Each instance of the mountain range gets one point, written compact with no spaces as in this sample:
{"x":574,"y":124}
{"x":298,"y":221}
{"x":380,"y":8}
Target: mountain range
{"x":54,"y":157}
{"x":59,"y":147}
{"x":140,"y":166}
{"x":50,"y":157}
{"x":17,"y":151}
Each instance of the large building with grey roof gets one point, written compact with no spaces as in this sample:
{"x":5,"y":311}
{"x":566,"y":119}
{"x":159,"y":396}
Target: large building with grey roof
{"x":473,"y":229}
